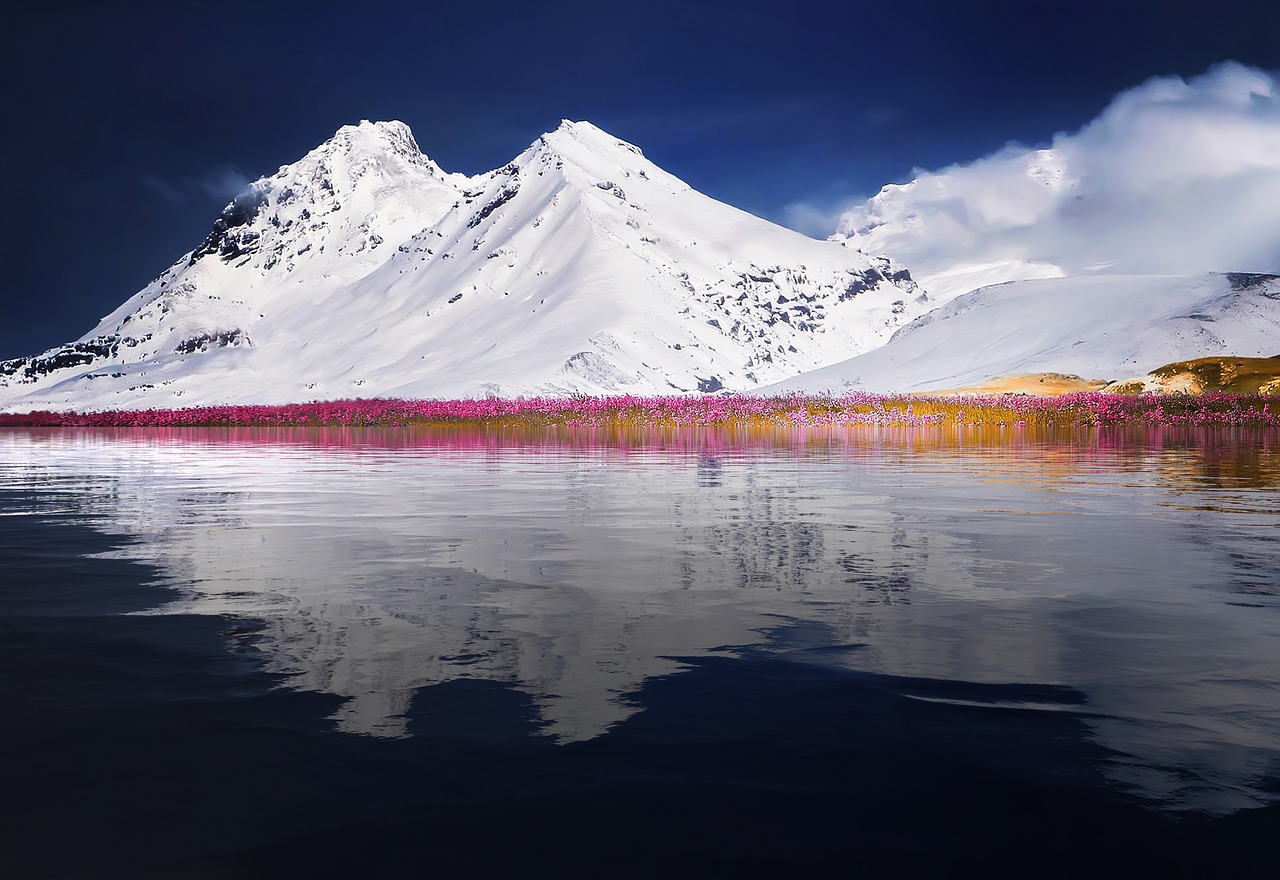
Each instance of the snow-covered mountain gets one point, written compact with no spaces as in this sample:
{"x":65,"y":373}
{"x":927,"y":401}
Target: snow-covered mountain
{"x":1108,"y":327}
{"x":364,"y":270}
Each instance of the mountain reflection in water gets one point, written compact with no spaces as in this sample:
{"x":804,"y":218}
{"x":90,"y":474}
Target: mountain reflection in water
{"x":1129,"y":579}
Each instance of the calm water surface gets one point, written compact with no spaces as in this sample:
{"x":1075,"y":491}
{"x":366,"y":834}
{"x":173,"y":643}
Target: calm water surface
{"x":287,"y":653}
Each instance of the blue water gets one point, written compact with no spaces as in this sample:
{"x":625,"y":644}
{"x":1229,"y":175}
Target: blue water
{"x":378,"y":653}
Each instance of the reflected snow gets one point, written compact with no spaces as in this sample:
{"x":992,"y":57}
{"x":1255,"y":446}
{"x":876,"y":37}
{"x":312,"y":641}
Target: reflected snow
{"x":1140,"y":571}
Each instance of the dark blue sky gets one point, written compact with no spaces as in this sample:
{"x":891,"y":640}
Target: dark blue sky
{"x":128,"y":125}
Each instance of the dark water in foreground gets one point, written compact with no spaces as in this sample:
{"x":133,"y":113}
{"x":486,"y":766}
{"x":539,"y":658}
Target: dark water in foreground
{"x":380,"y":653}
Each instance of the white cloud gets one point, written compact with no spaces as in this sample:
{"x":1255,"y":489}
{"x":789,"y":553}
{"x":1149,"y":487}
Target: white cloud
{"x":1175,"y":176}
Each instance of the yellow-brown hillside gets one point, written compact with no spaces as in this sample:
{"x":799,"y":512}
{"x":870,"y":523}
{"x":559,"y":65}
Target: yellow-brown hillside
{"x":1229,"y":374}
{"x":1233,"y":375}
{"x":1048,"y":384}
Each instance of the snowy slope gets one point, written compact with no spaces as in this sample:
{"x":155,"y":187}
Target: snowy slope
{"x":1100,"y":327}
{"x":365,"y":270}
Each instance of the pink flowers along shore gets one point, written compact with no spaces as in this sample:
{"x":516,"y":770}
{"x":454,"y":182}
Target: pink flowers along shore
{"x":1079,"y":409}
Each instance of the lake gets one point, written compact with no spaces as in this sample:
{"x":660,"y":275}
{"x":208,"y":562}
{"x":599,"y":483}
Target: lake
{"x":373,"y":652}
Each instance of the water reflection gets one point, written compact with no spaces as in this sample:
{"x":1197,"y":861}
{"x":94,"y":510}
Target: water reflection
{"x":1140,"y":569}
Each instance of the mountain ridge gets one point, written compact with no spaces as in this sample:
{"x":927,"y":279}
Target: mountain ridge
{"x":364,"y":269}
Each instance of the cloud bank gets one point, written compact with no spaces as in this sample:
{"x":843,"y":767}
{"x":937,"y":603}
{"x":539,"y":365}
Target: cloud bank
{"x":1175,"y":176}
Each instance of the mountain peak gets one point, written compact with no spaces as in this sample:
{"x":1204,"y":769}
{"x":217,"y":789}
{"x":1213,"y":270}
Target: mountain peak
{"x":577,"y":137}
{"x":583,"y":127}
{"x":367,"y":142}
{"x":368,"y":178}
{"x":385,"y":126}
{"x":391,"y":131}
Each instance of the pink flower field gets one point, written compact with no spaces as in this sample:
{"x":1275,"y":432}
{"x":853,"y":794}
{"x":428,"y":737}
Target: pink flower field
{"x":627,"y":411}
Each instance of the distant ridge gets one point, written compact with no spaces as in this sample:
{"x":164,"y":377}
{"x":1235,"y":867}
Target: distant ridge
{"x":1102,"y":329}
